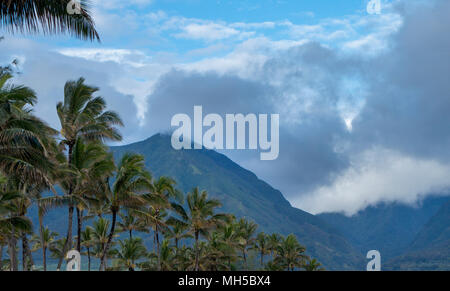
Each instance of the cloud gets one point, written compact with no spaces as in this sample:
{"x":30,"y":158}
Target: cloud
{"x":208,"y":31}
{"x":134,"y":58}
{"x":407,"y":108}
{"x":378,"y":176}
{"x":300,"y":83}
{"x":399,"y":145}
{"x":179,"y":91}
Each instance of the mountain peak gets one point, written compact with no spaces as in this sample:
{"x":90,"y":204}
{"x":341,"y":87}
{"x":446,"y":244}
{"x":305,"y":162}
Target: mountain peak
{"x":243,"y":194}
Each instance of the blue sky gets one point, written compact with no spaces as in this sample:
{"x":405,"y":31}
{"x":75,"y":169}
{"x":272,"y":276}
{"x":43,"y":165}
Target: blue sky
{"x":363,"y":99}
{"x":179,"y":26}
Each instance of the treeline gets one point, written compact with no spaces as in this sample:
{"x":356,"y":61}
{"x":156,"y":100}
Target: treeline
{"x":114,"y":204}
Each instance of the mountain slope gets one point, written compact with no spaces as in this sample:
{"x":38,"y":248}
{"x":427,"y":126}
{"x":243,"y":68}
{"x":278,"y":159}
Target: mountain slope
{"x":430,"y":249}
{"x":244,"y":195}
{"x":389,"y":228}
{"x":436,"y":232}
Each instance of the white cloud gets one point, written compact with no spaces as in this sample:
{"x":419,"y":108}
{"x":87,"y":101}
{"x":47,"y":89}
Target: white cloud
{"x":254,"y":25}
{"x":378,"y":175}
{"x":380,"y":27}
{"x":137,"y":75}
{"x":207,"y":31}
{"x":134,"y":58}
{"x":245,"y":60}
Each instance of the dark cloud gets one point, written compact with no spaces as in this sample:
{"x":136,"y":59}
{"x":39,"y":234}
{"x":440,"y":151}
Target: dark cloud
{"x":179,"y":91}
{"x":307,"y":137}
{"x":409,"y":102}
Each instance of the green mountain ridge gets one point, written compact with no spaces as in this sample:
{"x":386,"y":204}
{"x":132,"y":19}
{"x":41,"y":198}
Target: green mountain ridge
{"x":430,"y":250}
{"x":388,"y":228}
{"x":243,"y":194}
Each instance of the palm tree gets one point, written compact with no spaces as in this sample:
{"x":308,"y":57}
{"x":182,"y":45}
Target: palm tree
{"x":230,"y":236}
{"x":17,"y":205}
{"x":47,"y":16}
{"x":12,"y":220}
{"x":273,"y":242}
{"x":57,"y":248}
{"x":87,"y":241}
{"x":159,"y":200}
{"x":22,"y":206}
{"x":131,"y":178}
{"x":177,"y":232}
{"x":150,"y":264}
{"x":82,"y":115}
{"x":247,"y":230}
{"x":216,"y":252}
{"x":44,"y":241}
{"x":130,"y":251}
{"x":200,"y":217}
{"x":290,"y":253}
{"x":273,"y":267}
{"x":99,"y":206}
{"x":26,"y":148}
{"x":25,"y":140}
{"x":313,"y":265}
{"x":166,"y":256}
{"x":261,"y":245}
{"x":182,"y":259}
{"x":91,"y":163}
{"x":3,"y":243}
{"x":100,"y":229}
{"x":130,"y":223}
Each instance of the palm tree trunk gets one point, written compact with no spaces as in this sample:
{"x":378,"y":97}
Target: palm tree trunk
{"x":89,"y":258}
{"x":245,"y":259}
{"x":27,"y":258}
{"x":131,"y":234}
{"x":12,"y":252}
{"x":157,"y":247}
{"x":110,"y":236}
{"x":68,"y":242}
{"x":79,"y":227}
{"x":196,"y":251}
{"x":154,"y":242}
{"x":41,"y":234}
{"x":262,"y":258}
{"x":24,"y":256}
{"x":70,"y":223}
{"x":1,"y":258}
{"x":44,"y":257}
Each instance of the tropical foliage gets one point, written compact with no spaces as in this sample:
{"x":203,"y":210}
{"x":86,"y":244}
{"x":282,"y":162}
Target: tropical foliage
{"x":125,"y":218}
{"x":48,"y":17}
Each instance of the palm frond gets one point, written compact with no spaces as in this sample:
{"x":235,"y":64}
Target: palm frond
{"x":48,"y":17}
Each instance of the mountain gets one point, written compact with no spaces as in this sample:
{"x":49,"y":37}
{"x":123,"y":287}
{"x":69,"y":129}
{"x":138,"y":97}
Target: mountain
{"x":430,"y":249}
{"x":436,"y":231}
{"x":243,"y":194}
{"x":409,"y":238}
{"x":388,"y":228}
